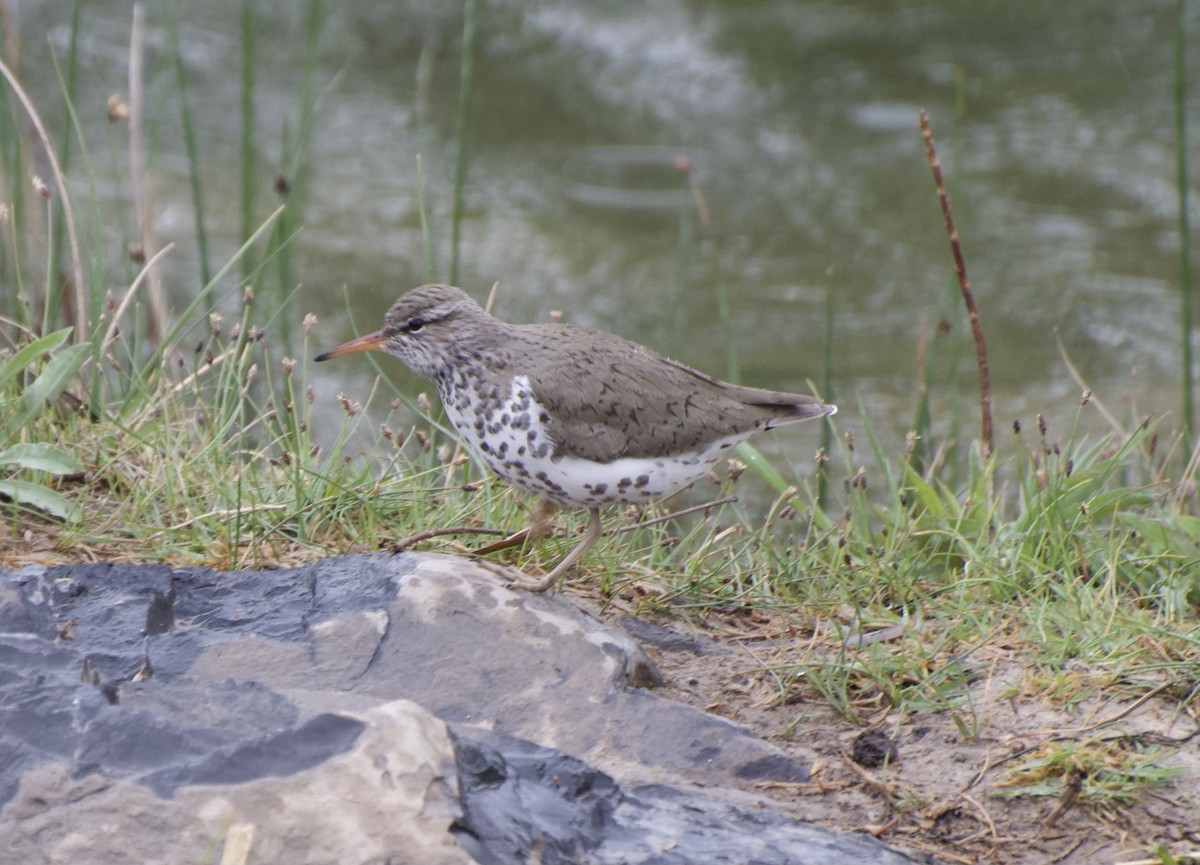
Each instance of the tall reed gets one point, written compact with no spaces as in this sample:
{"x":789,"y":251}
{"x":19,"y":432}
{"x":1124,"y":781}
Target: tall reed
{"x":462,"y":135}
{"x":1185,"y":267}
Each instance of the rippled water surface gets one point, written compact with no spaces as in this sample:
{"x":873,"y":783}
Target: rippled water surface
{"x":798,"y":120}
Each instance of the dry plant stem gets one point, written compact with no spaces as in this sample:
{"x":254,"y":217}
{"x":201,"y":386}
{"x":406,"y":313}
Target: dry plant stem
{"x":960,"y":265}
{"x":1083,"y":386}
{"x":1074,"y":786}
{"x":111,"y":333}
{"x":890,"y":791}
{"x":883,"y":635}
{"x":984,"y":815}
{"x":222,"y":513}
{"x":683,"y":513}
{"x":1128,"y":710}
{"x":12,"y":39}
{"x":404,"y":543}
{"x":82,"y":326}
{"x":137,"y":170}
{"x":155,"y":405}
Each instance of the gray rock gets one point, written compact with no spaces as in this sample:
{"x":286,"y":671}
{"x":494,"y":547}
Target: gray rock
{"x":180,"y":693}
{"x":385,"y":790}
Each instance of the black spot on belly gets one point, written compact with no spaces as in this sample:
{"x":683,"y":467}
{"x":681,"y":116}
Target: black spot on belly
{"x":642,"y":481}
{"x":551,"y":485}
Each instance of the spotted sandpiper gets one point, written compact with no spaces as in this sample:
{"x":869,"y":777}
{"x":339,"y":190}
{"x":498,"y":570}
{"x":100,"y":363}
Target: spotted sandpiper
{"x":580,"y":417}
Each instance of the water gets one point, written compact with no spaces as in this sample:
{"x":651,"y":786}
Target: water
{"x":799,"y":123}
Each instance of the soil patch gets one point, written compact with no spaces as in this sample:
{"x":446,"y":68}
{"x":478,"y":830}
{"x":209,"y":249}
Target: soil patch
{"x":963,"y":789}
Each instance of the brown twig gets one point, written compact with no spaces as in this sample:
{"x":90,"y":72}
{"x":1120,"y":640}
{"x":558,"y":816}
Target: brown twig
{"x":1125,"y":712}
{"x":111,"y":333}
{"x":405,"y":543}
{"x":1070,"y":796}
{"x":960,"y":265}
{"x":891,"y":791}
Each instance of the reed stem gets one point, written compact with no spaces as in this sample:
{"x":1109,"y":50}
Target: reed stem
{"x":1185,"y":268}
{"x":461,"y":134}
{"x":960,"y":267}
{"x":248,"y":153}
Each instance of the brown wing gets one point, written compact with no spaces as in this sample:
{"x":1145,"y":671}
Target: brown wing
{"x":608,"y":397}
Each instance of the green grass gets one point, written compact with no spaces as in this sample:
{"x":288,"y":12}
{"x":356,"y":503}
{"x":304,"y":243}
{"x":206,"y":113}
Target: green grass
{"x":888,"y":586}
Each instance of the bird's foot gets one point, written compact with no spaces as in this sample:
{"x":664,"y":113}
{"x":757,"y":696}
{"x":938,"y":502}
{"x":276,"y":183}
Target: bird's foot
{"x":540,"y":525}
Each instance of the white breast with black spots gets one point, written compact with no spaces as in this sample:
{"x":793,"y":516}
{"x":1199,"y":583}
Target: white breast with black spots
{"x":510,"y":434}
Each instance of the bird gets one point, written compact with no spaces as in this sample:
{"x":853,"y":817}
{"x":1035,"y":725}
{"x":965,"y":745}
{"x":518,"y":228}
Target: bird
{"x":580,"y":417}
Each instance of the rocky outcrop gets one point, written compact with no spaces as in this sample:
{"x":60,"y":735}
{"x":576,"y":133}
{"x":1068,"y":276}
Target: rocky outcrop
{"x":404,"y":708}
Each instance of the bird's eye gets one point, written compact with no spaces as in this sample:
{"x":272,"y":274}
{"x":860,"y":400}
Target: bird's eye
{"x":415,"y":324}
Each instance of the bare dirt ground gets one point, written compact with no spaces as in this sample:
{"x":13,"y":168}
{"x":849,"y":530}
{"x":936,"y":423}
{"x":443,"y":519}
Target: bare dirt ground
{"x":942,"y":794}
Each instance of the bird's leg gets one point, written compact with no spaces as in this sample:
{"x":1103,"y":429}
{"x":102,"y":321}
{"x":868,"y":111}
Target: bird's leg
{"x":594,"y":530}
{"x":538,"y":528}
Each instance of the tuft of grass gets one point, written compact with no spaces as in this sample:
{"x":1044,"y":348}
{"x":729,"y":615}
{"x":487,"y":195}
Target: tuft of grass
{"x":1104,"y":774}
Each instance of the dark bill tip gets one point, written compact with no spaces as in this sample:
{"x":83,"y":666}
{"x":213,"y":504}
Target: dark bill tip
{"x":354,"y":346}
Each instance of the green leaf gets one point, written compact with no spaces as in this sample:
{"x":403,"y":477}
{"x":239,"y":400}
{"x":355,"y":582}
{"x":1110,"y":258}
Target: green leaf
{"x":1160,"y":537}
{"x":933,"y":503}
{"x":1189,"y":525}
{"x":42,"y":458}
{"x":42,"y":498}
{"x":57,"y":376}
{"x":27,"y":355}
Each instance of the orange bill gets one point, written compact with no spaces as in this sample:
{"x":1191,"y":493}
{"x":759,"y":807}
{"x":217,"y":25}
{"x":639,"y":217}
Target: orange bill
{"x":354,"y":346}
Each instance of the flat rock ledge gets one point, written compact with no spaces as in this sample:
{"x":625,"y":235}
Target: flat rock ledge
{"x":368,"y":709}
